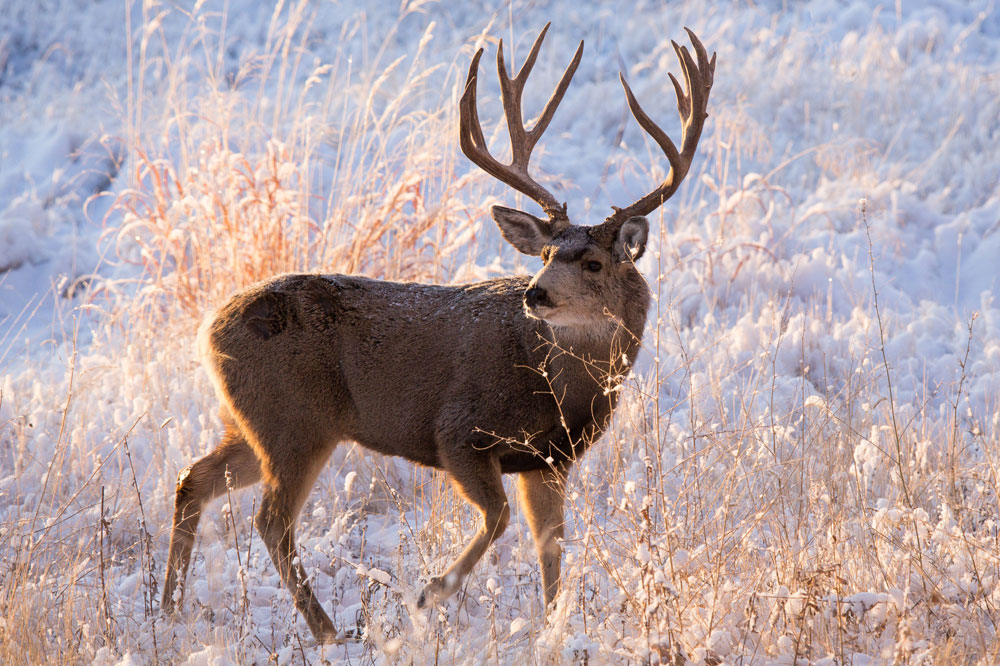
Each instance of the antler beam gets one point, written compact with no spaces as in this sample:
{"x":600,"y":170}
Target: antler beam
{"x":522,"y":140}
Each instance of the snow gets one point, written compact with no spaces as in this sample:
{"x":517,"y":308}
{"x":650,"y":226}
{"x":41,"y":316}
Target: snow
{"x":775,"y":465}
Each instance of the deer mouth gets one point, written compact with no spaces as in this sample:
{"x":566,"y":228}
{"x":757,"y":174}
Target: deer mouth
{"x":538,"y":311}
{"x":553,"y":315}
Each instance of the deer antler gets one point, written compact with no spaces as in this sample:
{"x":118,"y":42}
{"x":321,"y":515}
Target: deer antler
{"x":698,"y":78}
{"x":522,"y":140}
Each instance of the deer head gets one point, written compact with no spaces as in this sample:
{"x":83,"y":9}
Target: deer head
{"x":585,"y":267}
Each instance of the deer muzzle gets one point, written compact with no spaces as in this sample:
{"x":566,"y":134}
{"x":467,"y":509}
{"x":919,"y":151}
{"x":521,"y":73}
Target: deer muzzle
{"x":536,"y":297}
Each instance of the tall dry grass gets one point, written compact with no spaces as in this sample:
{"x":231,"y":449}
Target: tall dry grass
{"x":733,"y":514}
{"x":254,"y":172}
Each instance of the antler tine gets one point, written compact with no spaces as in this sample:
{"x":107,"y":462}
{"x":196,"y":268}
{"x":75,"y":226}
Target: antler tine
{"x":522,"y":140}
{"x":511,"y":90}
{"x":550,"y":107}
{"x":691,"y":106}
{"x":661,"y":138}
{"x":470,"y":131}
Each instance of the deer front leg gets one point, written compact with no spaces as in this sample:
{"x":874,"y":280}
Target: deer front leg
{"x":542,"y":494}
{"x":477,"y":478}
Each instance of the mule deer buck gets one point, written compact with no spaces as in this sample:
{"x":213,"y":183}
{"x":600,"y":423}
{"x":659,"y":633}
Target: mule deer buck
{"x":511,"y":375}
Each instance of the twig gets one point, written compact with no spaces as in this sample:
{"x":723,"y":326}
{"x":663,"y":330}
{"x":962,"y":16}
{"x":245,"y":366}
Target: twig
{"x":885,"y":363}
{"x":956,"y":506}
{"x":103,"y":530}
{"x":145,"y":552}
{"x":892,"y":401}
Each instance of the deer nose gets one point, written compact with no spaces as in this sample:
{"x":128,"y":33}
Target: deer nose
{"x":535,"y":296}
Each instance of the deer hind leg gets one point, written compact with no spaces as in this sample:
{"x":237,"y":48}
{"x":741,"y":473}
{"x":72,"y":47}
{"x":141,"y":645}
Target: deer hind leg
{"x":288,"y":486}
{"x":232,"y":464}
{"x":479,"y":482}
{"x":542,"y":494}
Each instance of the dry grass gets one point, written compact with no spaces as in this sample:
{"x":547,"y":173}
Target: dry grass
{"x":252,"y":173}
{"x":732,"y":515}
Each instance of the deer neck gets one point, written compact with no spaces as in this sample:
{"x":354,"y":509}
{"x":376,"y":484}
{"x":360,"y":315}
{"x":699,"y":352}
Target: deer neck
{"x":607,"y":348}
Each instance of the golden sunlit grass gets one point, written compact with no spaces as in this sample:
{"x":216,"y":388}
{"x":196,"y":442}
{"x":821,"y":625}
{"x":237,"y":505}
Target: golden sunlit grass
{"x":730,"y":513}
{"x":251,"y":174}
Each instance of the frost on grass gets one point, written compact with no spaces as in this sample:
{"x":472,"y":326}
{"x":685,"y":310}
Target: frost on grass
{"x":793,"y":474}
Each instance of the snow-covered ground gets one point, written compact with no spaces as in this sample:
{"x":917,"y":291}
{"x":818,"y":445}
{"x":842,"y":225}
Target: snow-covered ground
{"x":779,"y":484}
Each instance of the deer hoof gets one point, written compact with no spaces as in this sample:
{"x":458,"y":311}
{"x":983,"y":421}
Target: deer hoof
{"x":432,"y":593}
{"x":325,"y":633}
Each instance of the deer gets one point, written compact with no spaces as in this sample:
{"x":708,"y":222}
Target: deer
{"x":513,"y":375}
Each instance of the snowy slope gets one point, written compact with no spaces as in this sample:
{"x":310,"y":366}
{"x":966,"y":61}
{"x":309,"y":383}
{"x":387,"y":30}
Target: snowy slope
{"x":779,"y":483}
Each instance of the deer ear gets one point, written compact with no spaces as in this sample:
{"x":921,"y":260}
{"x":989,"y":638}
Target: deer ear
{"x":631,"y":241}
{"x":527,"y":233}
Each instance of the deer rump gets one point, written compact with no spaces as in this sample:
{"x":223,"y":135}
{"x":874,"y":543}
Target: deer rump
{"x":353,"y":348}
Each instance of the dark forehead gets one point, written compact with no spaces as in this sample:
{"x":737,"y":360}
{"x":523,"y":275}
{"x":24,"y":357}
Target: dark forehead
{"x":572,"y":244}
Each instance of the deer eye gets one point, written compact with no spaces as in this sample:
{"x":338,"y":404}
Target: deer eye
{"x":592,"y":266}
